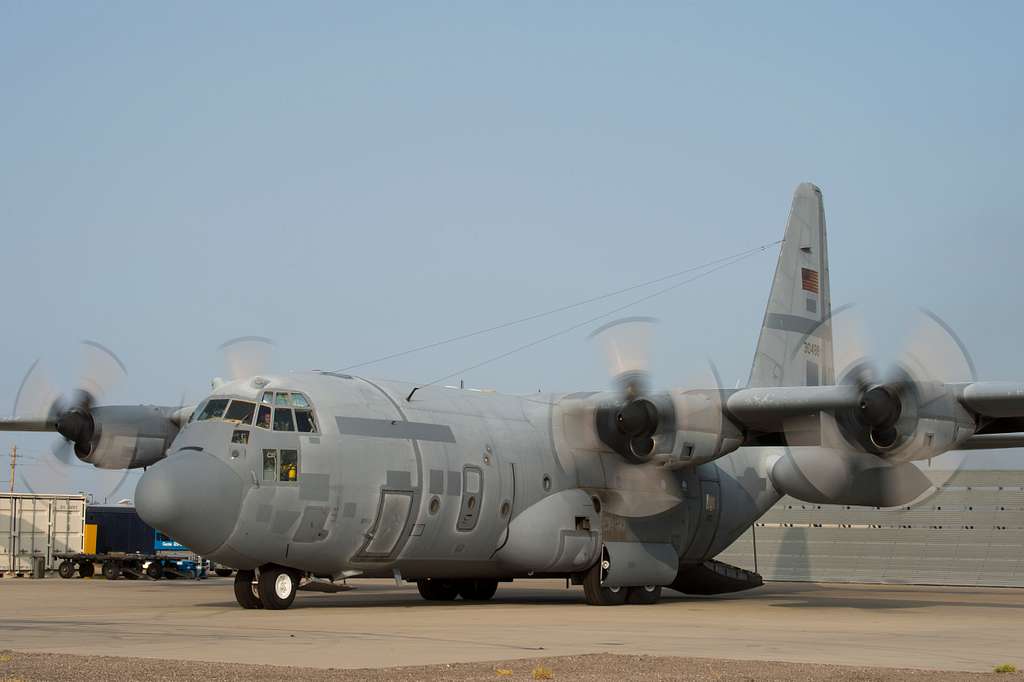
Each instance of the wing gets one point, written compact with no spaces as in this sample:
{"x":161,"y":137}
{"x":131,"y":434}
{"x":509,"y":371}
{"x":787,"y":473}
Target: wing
{"x":986,"y":414}
{"x":20,"y":424}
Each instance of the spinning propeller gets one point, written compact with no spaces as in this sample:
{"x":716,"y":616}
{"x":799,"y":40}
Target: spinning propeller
{"x":632,"y":425}
{"x":904,"y":409}
{"x":40,"y":406}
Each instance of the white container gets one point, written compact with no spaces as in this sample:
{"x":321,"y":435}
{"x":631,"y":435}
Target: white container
{"x":33,"y":525}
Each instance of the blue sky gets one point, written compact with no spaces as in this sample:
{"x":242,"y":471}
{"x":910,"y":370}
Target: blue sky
{"x":354,"y":180}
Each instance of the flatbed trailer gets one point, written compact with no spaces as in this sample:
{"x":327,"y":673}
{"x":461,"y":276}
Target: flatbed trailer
{"x":130,"y":565}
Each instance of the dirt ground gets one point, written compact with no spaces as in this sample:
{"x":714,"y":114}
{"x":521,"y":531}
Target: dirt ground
{"x":35,"y":666}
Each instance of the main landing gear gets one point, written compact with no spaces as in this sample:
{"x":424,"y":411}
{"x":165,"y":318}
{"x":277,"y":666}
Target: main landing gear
{"x":470,"y":589}
{"x":273,"y":589}
{"x":597,"y":594}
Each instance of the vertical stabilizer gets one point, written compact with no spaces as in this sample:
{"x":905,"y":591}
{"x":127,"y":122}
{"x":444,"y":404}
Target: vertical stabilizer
{"x":795,"y":348}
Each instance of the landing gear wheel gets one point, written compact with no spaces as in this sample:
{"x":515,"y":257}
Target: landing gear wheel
{"x":66,"y":569}
{"x":646,"y":594}
{"x":86,"y":569}
{"x":155,"y":570}
{"x":111,"y":570}
{"x":477,"y":590}
{"x":599,"y":595}
{"x":277,"y":587}
{"x":246,"y":591}
{"x":223,"y":572}
{"x":437,"y":589}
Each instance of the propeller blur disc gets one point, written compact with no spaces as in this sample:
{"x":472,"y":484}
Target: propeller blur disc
{"x":627,"y":346}
{"x":247,"y":356}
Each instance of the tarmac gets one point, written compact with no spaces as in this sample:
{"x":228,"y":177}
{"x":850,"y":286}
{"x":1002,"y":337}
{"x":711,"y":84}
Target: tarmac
{"x":379,"y":624}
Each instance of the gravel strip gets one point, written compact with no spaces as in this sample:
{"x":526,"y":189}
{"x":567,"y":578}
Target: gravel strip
{"x":18,"y":666}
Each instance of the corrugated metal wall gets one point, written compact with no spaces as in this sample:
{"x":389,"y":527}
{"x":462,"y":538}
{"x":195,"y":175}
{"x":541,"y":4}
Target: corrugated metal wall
{"x":39,"y":525}
{"x":970,"y":531}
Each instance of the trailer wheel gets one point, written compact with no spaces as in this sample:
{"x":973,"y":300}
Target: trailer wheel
{"x":66,"y":569}
{"x":155,"y":570}
{"x":277,"y":586}
{"x":111,"y":570}
{"x":86,"y":569}
{"x":134,"y":569}
{"x":246,"y":591}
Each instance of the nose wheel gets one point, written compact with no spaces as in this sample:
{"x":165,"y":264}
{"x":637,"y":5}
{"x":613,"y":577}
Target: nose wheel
{"x":246,"y":590}
{"x":274,"y":588}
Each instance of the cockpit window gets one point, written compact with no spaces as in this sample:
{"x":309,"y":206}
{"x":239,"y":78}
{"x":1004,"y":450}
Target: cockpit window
{"x":263,"y":420}
{"x":283,"y":419}
{"x":240,"y":411}
{"x":214,"y":409}
{"x":304,"y":420}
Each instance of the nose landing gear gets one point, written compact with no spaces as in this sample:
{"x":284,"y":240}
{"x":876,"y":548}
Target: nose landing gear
{"x":274,"y":589}
{"x":246,"y":592}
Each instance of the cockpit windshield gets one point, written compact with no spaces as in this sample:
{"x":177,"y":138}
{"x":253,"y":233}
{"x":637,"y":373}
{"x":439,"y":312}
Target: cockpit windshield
{"x":278,"y":411}
{"x":292,"y":412}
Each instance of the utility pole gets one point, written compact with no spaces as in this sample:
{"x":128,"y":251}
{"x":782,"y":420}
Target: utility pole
{"x":14,"y":463}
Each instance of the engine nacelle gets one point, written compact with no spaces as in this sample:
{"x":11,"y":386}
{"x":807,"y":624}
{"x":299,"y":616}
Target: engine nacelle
{"x":905,"y":421}
{"x":129,"y":437}
{"x":703,"y":433}
{"x":692,"y":429}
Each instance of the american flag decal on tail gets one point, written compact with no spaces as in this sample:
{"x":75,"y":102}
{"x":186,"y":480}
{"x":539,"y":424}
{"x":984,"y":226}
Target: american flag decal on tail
{"x":809,"y":278}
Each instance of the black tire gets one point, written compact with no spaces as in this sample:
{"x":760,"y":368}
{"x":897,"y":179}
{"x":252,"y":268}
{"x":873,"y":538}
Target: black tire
{"x":86,"y":569}
{"x":66,"y":569}
{"x":223,"y":572}
{"x":477,"y":590}
{"x":277,"y":587}
{"x":111,"y":570}
{"x":647,"y":594}
{"x":599,"y":595}
{"x":155,"y":570}
{"x":438,"y":589}
{"x":134,"y":568}
{"x":246,"y":593}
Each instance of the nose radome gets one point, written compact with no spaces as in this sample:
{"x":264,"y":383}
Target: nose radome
{"x":192,"y":497}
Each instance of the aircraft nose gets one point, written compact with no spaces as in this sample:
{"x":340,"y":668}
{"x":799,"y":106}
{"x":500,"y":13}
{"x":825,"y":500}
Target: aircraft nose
{"x":192,"y":497}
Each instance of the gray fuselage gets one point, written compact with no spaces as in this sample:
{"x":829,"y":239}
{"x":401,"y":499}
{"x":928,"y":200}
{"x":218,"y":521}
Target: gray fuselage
{"x":453,"y":483}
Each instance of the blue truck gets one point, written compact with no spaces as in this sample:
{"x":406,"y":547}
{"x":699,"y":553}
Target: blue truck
{"x":125,"y":546}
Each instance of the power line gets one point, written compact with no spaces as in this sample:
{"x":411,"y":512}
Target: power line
{"x":584,"y":323}
{"x":570,"y":306}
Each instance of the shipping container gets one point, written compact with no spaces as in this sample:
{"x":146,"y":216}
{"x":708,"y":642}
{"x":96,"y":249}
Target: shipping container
{"x":39,"y":525}
{"x":119,"y":529}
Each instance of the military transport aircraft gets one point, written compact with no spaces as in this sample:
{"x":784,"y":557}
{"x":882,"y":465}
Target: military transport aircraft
{"x":305,"y":477}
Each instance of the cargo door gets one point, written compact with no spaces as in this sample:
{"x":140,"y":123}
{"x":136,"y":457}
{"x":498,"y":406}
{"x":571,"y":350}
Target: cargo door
{"x":32,"y":531}
{"x":68,"y":529}
{"x":7,"y":505}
